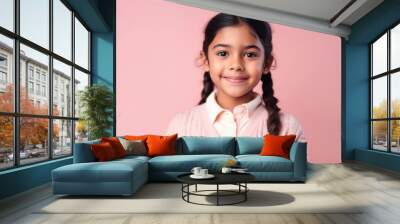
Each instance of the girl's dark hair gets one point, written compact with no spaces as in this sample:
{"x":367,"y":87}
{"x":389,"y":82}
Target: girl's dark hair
{"x":264,"y":33}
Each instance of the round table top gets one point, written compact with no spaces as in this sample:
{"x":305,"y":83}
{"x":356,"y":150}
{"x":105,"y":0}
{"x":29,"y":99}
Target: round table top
{"x":220,"y":178}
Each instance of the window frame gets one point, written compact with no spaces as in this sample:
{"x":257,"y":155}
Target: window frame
{"x":16,"y":115}
{"x":388,"y":74}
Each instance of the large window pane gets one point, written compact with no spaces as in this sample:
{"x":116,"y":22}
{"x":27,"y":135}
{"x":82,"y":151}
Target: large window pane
{"x":6,"y":74}
{"x":395,"y":94}
{"x":62,"y":138}
{"x":33,"y":139}
{"x":395,"y":136}
{"x":6,"y":142}
{"x":34,"y":81}
{"x":62,"y":29}
{"x":62,"y":89}
{"x":81,"y":45}
{"x":379,"y":97}
{"x":7,"y":14}
{"x":34,"y":21}
{"x":379,"y":55}
{"x":395,"y":47}
{"x":81,"y":81}
{"x":81,"y":131}
{"x":379,"y":135}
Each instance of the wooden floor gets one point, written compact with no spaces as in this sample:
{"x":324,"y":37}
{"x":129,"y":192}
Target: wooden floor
{"x":378,"y":188}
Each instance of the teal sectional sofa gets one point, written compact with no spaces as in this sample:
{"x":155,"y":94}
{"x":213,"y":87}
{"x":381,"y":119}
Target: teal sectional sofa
{"x":125,"y":176}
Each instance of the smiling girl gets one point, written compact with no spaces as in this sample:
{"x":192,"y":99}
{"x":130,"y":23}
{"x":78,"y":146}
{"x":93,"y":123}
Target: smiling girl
{"x":236,"y":55}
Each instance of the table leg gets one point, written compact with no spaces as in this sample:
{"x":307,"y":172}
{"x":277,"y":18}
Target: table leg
{"x":217,"y":194}
{"x":188,"y":190}
{"x":196,"y":188}
{"x":245,"y":193}
{"x":182,"y":189}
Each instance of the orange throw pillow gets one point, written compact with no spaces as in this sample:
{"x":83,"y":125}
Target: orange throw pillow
{"x":116,"y":145}
{"x":135,"y":138}
{"x":161,"y":145}
{"x":103,"y":151}
{"x":275,"y":145}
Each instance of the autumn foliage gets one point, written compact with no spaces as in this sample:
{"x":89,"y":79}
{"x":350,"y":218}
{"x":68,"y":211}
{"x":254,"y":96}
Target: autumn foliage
{"x":33,"y":131}
{"x":380,"y":127}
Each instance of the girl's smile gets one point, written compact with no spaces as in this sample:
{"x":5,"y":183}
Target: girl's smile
{"x":235,"y":79}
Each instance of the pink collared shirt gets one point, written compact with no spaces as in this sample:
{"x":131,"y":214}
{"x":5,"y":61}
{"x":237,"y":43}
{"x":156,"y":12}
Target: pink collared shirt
{"x":249,"y":119}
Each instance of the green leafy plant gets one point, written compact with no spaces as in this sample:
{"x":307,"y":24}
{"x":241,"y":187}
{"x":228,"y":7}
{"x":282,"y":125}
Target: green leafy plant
{"x":96,"y":102}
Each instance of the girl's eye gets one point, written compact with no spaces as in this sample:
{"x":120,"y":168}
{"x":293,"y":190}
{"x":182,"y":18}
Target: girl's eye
{"x":251,"y":55}
{"x":221,"y":53}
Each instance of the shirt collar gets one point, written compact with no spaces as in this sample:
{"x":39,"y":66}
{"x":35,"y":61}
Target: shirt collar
{"x":214,"y":109}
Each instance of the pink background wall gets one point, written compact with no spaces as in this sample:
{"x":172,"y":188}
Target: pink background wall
{"x":158,"y":42}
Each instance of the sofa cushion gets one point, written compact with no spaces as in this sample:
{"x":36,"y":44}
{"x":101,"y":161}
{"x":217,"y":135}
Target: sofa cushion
{"x":103,"y":151}
{"x":275,"y":145}
{"x":257,"y":163}
{"x":131,"y":158}
{"x":249,"y":145}
{"x":116,"y":145}
{"x":136,"y":137}
{"x":193,"y":145}
{"x":159,"y":145}
{"x":185,"y":163}
{"x":111,"y":171}
{"x":134,"y":147}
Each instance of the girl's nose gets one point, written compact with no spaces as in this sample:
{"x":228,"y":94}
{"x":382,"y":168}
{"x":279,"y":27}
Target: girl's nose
{"x":236,"y":67}
{"x":236,"y":64}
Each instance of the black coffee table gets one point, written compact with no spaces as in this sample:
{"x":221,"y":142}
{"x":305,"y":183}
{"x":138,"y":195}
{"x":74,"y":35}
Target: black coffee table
{"x":239,"y":179}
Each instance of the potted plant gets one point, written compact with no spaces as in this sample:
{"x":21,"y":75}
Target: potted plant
{"x":96,"y":102}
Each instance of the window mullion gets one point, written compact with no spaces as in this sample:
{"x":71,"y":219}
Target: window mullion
{"x":371,"y":137}
{"x":16,"y":84}
{"x":73,"y":82}
{"x":389,"y":95}
{"x":50,"y":79}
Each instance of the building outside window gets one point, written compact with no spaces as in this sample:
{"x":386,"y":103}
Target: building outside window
{"x":30,"y":72}
{"x":37,"y":75}
{"x":43,"y":78}
{"x":38,"y":89}
{"x":43,"y":90}
{"x":3,"y":78}
{"x":30,"y":87}
{"x":3,"y":61}
{"x":3,"y":72}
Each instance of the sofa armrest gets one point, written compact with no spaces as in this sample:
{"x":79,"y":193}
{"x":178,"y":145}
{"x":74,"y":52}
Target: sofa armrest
{"x":298,"y":155}
{"x":83,"y":152}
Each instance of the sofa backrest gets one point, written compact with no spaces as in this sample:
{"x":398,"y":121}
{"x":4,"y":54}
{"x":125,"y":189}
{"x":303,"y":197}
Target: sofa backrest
{"x":249,"y":145}
{"x":83,"y":153}
{"x":192,"y":145}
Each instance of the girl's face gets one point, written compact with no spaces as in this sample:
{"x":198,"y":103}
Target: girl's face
{"x":235,"y":61}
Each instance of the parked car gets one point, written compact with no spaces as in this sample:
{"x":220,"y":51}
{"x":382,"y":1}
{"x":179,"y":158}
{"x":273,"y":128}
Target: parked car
{"x":10,"y":156}
{"x":22,"y":155}
{"x":57,"y":152}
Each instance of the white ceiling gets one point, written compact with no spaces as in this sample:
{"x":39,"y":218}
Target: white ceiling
{"x":326,"y":16}
{"x":319,"y":9}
